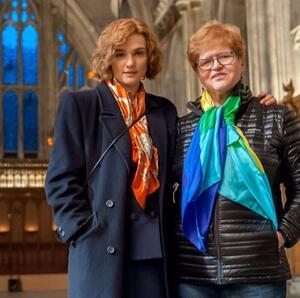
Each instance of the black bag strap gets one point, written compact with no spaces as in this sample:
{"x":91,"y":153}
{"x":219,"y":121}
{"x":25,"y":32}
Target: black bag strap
{"x":114,"y":141}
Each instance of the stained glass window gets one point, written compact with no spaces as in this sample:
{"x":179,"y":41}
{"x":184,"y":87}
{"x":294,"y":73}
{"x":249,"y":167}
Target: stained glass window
{"x":30,"y":55}
{"x":74,"y":75}
{"x":10,"y":55}
{"x":10,"y":121}
{"x":80,"y":76}
{"x":71,"y":76}
{"x":19,"y":17}
{"x":30,"y":121}
{"x":63,"y":52}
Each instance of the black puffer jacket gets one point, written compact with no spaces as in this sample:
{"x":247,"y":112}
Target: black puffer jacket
{"x":242,"y":246}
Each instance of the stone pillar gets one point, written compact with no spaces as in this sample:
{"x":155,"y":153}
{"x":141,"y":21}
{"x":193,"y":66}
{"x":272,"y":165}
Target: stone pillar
{"x":295,"y":41}
{"x":47,"y":79}
{"x":268,"y":44}
{"x":190,"y":11}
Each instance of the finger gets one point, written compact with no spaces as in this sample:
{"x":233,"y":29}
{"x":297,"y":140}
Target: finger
{"x":262,"y":94}
{"x":268,"y":100}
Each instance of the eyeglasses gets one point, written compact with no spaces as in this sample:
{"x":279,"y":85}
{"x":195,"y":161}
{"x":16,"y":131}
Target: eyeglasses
{"x":223,"y":58}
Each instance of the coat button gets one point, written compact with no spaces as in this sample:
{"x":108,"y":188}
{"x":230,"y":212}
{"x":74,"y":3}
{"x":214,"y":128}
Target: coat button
{"x":111,"y":250}
{"x":109,"y":203}
{"x":62,"y":233}
{"x":153,"y":214}
{"x":134,"y":216}
{"x":59,"y":228}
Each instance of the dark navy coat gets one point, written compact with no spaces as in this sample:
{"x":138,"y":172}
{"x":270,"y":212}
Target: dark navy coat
{"x":92,"y":219}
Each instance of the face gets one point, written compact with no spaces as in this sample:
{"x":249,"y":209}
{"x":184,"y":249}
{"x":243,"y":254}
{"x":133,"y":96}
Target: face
{"x":220,"y":79}
{"x":129,"y":64}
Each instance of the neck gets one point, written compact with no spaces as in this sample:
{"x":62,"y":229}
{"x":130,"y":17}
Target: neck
{"x":132,"y":91}
{"x":219,"y":98}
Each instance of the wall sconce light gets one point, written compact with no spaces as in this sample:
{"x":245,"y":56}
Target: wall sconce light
{"x":31,"y":228}
{"x":4,"y":228}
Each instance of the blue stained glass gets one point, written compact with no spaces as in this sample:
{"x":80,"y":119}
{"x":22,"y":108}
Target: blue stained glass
{"x":32,"y":17}
{"x":80,"y":76}
{"x":71,"y":78}
{"x":24,"y":4}
{"x":30,"y":121}
{"x":5,"y":16}
{"x":10,"y":121}
{"x":14,"y":16}
{"x":10,"y":55}
{"x":14,"y":3}
{"x":60,"y":65}
{"x":60,"y":36}
{"x":24,"y":16}
{"x":64,"y":48}
{"x":30,"y":55}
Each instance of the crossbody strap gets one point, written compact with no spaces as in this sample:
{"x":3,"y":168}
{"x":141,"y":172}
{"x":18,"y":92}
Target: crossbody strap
{"x":115,"y":140}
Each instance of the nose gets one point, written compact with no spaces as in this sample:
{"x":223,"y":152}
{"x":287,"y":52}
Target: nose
{"x":130,"y":60}
{"x":217,"y":64}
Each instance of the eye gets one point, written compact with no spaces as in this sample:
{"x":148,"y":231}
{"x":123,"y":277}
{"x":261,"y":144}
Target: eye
{"x":140,"y":53}
{"x":119,"y":54}
{"x":226,"y":58}
{"x":204,"y":62}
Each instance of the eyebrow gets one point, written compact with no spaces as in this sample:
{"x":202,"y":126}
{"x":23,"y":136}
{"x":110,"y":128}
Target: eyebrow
{"x":136,"y":49}
{"x":208,"y":57}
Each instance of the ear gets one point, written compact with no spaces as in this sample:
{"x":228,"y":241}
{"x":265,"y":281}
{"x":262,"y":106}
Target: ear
{"x":243,"y":64}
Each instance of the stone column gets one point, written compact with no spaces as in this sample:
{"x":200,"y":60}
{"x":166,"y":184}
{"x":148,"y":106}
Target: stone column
{"x":268,"y":44}
{"x":190,"y":11}
{"x":295,"y":41}
{"x":47,"y":79}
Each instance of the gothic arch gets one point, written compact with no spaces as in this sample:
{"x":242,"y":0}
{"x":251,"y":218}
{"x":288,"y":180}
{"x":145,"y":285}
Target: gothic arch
{"x":79,"y":27}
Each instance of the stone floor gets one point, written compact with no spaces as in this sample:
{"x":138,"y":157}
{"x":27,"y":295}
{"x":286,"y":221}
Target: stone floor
{"x":58,"y":294}
{"x":52,"y":294}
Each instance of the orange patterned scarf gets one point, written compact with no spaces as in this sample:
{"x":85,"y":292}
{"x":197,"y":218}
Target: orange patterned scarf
{"x":143,"y":153}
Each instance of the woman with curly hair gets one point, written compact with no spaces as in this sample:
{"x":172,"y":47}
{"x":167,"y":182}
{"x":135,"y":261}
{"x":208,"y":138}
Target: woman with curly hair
{"x":107,"y":174}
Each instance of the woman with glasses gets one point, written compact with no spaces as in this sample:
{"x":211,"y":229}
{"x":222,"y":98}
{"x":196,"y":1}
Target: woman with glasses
{"x":232,"y":154}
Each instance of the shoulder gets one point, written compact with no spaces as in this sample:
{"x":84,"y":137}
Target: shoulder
{"x":80,"y":100}
{"x":282,"y":115}
{"x":273,"y":108}
{"x":272,"y":112}
{"x":164,"y":103}
{"x":78,"y":95}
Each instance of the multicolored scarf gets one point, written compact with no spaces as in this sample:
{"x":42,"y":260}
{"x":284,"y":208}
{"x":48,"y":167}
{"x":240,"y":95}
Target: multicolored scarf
{"x":220,"y":160}
{"x":143,"y":153}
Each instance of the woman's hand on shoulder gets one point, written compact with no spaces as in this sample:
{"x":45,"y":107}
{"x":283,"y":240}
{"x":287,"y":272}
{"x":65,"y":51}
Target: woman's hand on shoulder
{"x":267,"y":99}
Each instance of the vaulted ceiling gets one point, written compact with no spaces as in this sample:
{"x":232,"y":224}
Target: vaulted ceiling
{"x":98,"y":11}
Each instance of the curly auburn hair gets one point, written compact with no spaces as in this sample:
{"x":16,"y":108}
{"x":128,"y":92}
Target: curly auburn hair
{"x":214,"y":33}
{"x":116,"y":34}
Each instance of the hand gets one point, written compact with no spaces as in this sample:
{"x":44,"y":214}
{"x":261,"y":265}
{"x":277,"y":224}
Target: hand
{"x":280,"y":240}
{"x":267,"y":99}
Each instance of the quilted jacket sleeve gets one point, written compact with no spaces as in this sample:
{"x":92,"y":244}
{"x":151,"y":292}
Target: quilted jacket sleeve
{"x":290,"y":222}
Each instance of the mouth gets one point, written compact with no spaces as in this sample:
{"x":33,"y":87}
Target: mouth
{"x":130,"y":73}
{"x":218,"y":75}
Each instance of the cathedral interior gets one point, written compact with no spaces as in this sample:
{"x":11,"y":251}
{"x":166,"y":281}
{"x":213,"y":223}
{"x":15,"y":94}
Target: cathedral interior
{"x":46,"y":47}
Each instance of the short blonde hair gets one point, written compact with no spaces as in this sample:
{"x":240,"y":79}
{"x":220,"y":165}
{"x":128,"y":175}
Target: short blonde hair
{"x":116,"y":34}
{"x":214,"y":33}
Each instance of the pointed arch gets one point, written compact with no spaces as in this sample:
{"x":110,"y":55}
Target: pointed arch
{"x":9,"y":41}
{"x":30,"y":45}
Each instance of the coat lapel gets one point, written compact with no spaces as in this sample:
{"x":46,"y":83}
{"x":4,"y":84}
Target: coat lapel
{"x":158,"y":132}
{"x":112,"y":120}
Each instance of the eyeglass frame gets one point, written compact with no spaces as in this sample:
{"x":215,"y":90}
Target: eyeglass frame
{"x":216,"y":57}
